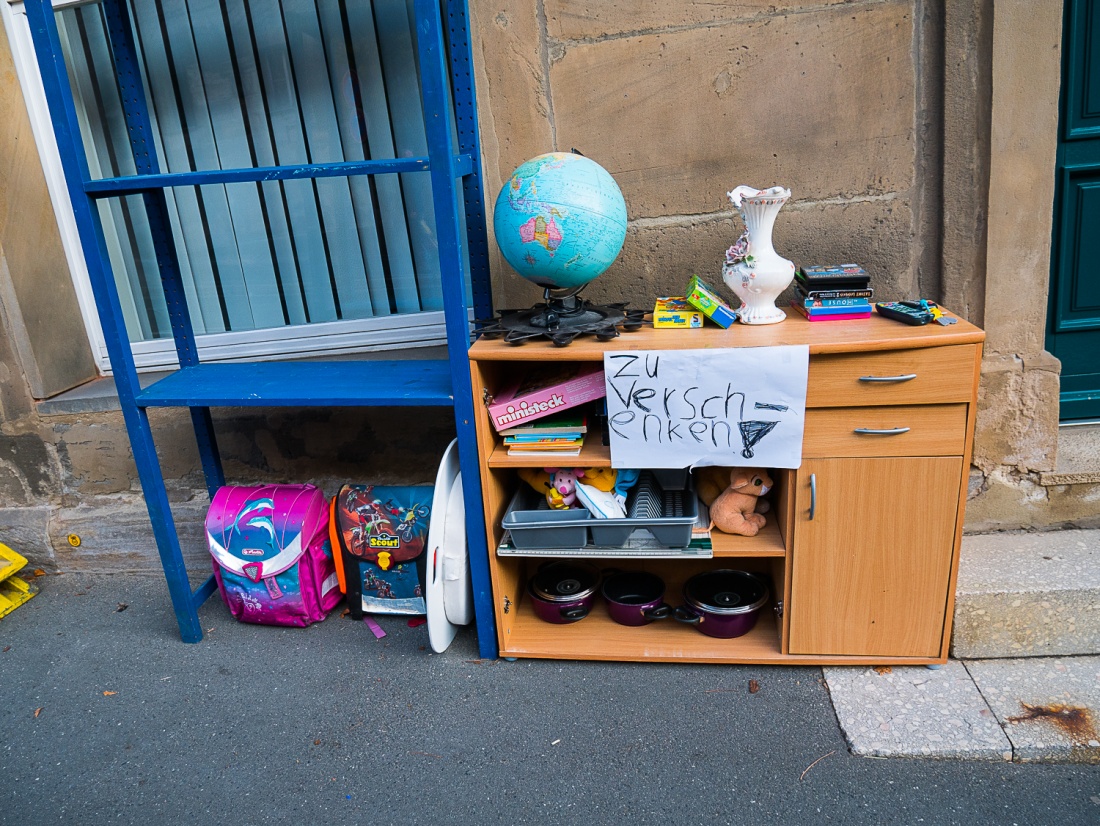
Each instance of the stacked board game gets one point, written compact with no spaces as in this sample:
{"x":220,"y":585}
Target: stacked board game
{"x":833,"y":293}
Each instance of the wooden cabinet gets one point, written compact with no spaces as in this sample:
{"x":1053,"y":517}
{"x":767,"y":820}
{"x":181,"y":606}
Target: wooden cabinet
{"x":861,"y":547}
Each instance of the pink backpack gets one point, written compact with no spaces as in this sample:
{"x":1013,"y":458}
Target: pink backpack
{"x":272,"y":555}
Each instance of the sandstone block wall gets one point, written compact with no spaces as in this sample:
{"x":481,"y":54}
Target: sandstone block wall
{"x":682,"y":102}
{"x":909,"y":131}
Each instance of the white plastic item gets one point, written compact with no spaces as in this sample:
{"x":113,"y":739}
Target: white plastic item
{"x":447,"y":537}
{"x":601,"y":504}
{"x":458,"y":592}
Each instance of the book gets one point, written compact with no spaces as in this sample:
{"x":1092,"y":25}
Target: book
{"x":565,"y":438}
{"x":554,"y":426}
{"x":842,"y":277}
{"x":834,"y":272}
{"x":812,"y":315}
{"x":820,"y":311}
{"x":826,"y":294}
{"x":818,"y":303}
{"x":543,"y":393}
{"x":549,"y":454}
{"x":832,"y":284}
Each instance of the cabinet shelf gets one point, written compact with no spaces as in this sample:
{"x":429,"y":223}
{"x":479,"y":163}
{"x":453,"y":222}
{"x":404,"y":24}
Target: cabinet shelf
{"x":598,"y":637}
{"x":768,"y":543}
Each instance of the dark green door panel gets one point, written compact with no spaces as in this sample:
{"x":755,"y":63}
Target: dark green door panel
{"x":1073,"y":332}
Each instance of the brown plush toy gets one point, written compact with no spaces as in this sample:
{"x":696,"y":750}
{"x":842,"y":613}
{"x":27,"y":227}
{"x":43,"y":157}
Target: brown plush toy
{"x":734,"y":509}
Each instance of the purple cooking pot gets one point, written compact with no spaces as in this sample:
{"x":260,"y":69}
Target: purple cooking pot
{"x":723,"y":603}
{"x":635,"y":597}
{"x":563,"y":592}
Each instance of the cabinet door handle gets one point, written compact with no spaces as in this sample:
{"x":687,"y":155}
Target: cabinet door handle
{"x":873,"y":431}
{"x":906,"y":377}
{"x":813,"y":494}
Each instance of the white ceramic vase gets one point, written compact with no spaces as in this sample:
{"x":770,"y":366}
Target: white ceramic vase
{"x":753,"y":269}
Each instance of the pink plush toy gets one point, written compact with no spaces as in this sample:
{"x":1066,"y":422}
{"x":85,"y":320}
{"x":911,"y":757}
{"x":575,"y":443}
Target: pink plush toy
{"x":563,"y":482}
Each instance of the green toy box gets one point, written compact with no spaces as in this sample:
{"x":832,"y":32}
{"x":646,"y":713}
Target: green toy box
{"x":703,"y":297}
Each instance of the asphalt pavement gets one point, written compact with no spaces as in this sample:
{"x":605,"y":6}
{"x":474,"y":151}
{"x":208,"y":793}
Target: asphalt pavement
{"x":107,"y":718}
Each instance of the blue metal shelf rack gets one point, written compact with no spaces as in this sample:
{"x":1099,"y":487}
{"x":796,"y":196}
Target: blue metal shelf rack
{"x":445,"y":68}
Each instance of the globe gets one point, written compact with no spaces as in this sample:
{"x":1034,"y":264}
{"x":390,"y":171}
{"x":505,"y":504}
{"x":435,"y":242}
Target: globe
{"x":560,"y":220}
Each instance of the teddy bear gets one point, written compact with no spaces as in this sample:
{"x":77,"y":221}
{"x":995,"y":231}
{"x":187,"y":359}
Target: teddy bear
{"x":734,"y":509}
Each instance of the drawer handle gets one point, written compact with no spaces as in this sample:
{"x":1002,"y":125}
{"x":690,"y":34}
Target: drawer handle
{"x":813,"y":494}
{"x":873,"y":431}
{"x":906,"y":377}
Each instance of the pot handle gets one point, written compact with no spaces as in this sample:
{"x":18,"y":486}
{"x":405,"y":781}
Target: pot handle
{"x":686,"y":615}
{"x":658,"y":612}
{"x":580,"y":612}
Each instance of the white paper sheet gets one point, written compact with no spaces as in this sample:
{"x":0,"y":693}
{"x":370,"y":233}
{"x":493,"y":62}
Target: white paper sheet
{"x":742,"y":406}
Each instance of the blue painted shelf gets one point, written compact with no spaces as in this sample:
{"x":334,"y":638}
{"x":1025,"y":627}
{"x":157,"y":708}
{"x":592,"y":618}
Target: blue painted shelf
{"x":445,"y":71}
{"x":304,"y":384}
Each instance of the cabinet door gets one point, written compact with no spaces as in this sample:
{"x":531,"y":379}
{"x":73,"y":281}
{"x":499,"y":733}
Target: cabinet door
{"x":871,"y":568}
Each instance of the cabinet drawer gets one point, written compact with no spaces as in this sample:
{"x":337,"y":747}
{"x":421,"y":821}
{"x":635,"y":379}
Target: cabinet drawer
{"x":929,"y":375}
{"x":915,"y":430}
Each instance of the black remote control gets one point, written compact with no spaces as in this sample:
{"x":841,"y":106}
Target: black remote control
{"x":907,"y":312}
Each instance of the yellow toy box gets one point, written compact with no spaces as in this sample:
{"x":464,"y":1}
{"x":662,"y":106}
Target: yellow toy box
{"x":675,"y":312}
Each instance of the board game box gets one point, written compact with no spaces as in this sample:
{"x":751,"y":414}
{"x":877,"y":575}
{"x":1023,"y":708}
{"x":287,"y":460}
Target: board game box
{"x":545,"y":393}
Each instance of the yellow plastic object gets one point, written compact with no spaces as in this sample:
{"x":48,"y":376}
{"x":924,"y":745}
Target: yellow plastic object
{"x":13,"y":593}
{"x":10,"y":561}
{"x":13,"y":590}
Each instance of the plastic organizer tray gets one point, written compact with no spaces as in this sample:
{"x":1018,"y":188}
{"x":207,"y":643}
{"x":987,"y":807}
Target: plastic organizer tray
{"x":664,"y":517}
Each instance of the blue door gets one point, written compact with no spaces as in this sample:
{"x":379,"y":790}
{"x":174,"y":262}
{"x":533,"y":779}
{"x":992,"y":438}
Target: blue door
{"x":1073,"y":332}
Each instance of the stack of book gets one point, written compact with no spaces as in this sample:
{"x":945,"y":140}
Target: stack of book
{"x":833,"y":293}
{"x":550,"y":437}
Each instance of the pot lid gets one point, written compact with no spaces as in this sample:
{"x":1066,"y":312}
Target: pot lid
{"x":564,"y":581}
{"x":726,"y":592}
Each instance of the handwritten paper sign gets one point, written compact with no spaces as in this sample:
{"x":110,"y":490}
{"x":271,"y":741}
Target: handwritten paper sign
{"x":688,"y":408}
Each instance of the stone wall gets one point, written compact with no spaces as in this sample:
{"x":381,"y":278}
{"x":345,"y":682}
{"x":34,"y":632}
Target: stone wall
{"x":681,"y":102}
{"x":916,"y":138}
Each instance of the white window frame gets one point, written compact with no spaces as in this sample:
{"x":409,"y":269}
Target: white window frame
{"x":425,"y":329}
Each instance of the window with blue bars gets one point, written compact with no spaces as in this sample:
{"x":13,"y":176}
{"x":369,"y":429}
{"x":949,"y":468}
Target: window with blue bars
{"x":255,"y":84}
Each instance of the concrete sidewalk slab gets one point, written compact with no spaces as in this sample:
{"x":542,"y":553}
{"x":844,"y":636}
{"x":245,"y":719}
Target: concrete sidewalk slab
{"x":913,"y":711}
{"x":1048,"y":706}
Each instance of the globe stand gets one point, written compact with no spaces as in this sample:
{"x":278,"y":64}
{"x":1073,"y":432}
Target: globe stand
{"x":561,"y":318}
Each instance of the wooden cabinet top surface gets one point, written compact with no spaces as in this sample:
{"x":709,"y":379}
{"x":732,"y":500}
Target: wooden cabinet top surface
{"x":865,"y":335}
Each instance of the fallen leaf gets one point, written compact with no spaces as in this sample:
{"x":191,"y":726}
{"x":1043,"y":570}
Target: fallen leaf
{"x":39,"y":572}
{"x":754,"y":686}
{"x":347,"y":611}
{"x":7,"y":648}
{"x":109,"y":693}
{"x":883,"y":669}
{"x":38,"y":711}
{"x":316,"y":742}
{"x":122,"y":606}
